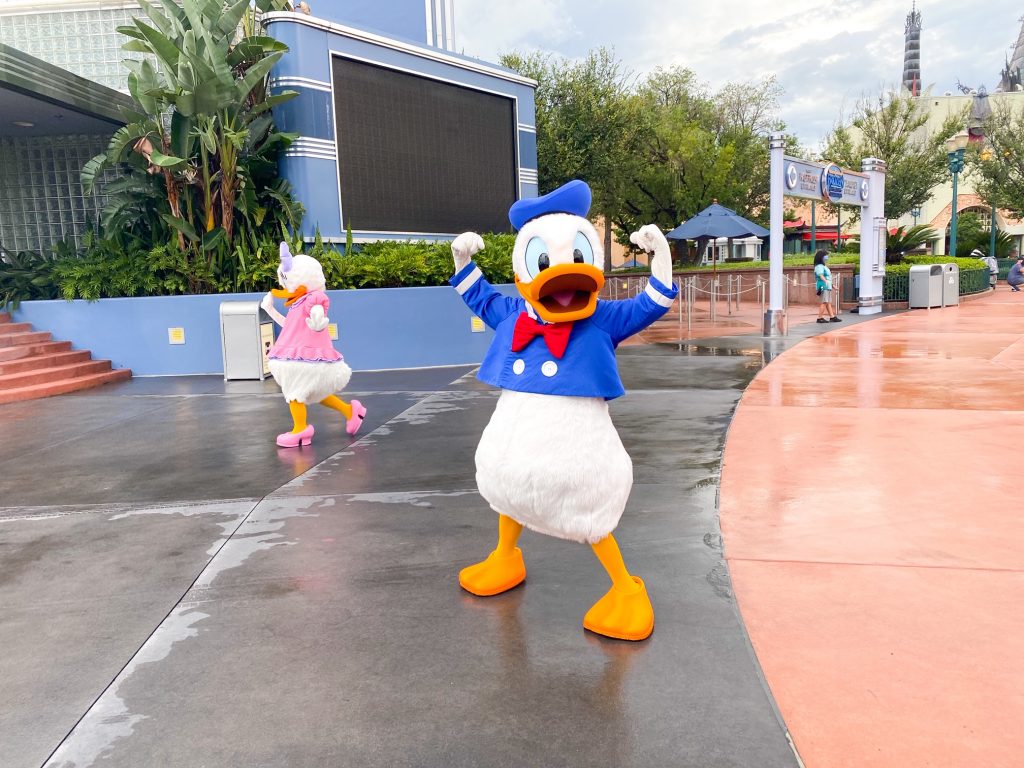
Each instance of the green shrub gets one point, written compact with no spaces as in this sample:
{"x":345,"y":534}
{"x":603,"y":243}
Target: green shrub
{"x":26,"y":276}
{"x":903,"y":268}
{"x":105,"y":268}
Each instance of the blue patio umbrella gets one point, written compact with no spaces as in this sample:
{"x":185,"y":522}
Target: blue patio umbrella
{"x":714,"y":222}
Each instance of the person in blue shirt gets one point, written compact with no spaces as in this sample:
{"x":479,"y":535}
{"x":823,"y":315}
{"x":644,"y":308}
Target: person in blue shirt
{"x":1015,"y":277}
{"x":550,"y":459}
{"x":823,"y":284}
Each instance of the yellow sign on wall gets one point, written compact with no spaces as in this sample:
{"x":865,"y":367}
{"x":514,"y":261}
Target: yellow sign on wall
{"x":476,"y":325}
{"x":175,"y":335}
{"x":332,"y":331}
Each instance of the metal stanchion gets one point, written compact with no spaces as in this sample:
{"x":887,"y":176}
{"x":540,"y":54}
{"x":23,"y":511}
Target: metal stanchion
{"x":691,"y":296}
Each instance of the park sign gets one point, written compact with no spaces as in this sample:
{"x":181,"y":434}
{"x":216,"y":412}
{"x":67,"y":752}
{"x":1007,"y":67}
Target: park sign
{"x":825,"y":181}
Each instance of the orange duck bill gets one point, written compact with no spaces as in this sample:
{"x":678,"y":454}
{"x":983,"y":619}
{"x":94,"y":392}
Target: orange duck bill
{"x":290,"y":297}
{"x":564,"y":292}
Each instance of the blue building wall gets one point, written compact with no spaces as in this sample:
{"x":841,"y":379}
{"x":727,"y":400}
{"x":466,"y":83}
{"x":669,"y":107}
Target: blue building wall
{"x":396,"y":18}
{"x":311,"y":163}
{"x":377,"y":328}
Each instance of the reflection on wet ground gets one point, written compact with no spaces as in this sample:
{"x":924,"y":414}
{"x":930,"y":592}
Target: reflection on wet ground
{"x":179,"y":591}
{"x":872,"y":526}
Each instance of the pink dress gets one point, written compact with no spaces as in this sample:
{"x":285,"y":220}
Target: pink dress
{"x":304,"y":362}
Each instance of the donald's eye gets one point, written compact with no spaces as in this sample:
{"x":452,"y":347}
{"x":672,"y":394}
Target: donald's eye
{"x":583,"y":251}
{"x":537,"y":259}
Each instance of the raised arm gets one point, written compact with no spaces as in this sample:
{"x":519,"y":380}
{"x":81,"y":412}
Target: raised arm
{"x":268,"y":307}
{"x":469,"y":282}
{"x":622,"y":319}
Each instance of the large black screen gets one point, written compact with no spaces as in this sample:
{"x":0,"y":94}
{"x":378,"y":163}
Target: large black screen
{"x":418,"y":155}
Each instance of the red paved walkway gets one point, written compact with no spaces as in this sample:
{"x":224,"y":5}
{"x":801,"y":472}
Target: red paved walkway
{"x":872,"y":505}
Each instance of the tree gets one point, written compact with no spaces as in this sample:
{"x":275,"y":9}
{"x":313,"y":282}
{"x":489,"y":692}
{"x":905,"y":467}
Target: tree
{"x":893,"y":127}
{"x":998,"y":169}
{"x":589,"y":126}
{"x":202,"y":120}
{"x":702,"y":147}
{"x":906,"y":239}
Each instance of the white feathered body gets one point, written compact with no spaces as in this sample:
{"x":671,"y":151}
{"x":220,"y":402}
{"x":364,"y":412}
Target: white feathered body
{"x":309,"y":381}
{"x":555,"y":464}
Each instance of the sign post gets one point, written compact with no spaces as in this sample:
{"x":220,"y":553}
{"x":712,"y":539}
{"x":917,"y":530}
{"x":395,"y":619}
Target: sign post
{"x":828,"y":182}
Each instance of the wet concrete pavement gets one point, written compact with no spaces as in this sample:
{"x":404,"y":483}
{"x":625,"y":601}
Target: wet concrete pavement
{"x":871,"y":506}
{"x":177,"y":591}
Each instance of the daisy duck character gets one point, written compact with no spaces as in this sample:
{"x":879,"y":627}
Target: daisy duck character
{"x":550,"y":458}
{"x":303,"y":360}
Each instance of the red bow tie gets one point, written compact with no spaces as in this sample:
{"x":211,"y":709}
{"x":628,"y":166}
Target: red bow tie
{"x":555,"y":334}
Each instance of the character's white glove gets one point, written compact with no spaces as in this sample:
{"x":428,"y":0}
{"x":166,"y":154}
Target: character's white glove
{"x":465,"y":247}
{"x":651,"y":239}
{"x":270,"y":309}
{"x":317,"y":319}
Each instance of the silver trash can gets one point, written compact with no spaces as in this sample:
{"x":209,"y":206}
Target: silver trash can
{"x":950,"y":285}
{"x":925,"y":286}
{"x":246,"y":335}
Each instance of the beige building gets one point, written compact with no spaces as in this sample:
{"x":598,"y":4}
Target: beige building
{"x":937,"y":212}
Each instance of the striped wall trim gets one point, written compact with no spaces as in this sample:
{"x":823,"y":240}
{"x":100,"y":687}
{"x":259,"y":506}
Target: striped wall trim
{"x":318,"y":149}
{"x":299,"y":82}
{"x":278,"y":17}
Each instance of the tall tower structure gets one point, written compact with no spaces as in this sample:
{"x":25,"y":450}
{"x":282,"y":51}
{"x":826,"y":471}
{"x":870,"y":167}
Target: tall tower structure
{"x":1011,"y":74}
{"x":912,"y":51}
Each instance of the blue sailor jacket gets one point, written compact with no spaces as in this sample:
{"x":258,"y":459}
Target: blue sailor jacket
{"x":588,"y":367}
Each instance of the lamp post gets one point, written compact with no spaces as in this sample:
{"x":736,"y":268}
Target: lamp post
{"x":916,"y":213}
{"x":955,"y":147}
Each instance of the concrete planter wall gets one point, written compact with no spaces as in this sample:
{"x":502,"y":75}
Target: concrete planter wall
{"x":377,"y":328}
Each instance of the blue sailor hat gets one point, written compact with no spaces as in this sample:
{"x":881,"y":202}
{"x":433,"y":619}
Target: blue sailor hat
{"x":572,"y":197}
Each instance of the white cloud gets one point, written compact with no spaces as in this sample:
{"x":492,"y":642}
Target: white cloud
{"x":826,"y":55}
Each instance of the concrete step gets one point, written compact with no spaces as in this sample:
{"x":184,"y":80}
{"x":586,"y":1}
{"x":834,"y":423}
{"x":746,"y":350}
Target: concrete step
{"x":29,"y":350}
{"x":53,"y":374}
{"x":22,"y":338}
{"x":35,"y":362}
{"x":64,"y":386}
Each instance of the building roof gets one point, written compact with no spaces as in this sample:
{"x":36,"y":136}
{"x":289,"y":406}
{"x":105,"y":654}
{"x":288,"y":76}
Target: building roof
{"x":38,"y":98}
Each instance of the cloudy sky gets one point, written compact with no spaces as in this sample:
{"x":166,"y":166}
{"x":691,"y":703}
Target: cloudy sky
{"x":826,"y":54}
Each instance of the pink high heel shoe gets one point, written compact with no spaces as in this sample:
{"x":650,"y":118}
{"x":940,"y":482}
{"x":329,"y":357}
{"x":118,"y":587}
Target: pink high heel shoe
{"x":358,"y":412}
{"x":296,"y":439}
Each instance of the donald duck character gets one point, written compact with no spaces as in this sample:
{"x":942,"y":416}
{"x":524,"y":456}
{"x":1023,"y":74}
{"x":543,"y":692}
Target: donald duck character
{"x":303,"y":361}
{"x":550,"y":458}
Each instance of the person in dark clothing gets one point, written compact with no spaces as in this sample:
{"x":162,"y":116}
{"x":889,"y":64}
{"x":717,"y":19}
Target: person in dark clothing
{"x":1016,"y":276}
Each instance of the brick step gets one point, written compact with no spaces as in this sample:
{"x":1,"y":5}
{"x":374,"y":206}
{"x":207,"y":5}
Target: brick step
{"x":63,"y":387}
{"x":6,"y":328}
{"x":22,"y":338}
{"x":56,"y":373}
{"x":29,"y":350}
{"x":36,"y":362}
{"x":5,"y":317}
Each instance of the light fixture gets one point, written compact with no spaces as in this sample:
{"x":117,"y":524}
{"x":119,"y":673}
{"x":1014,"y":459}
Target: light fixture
{"x":24,"y":124}
{"x":958,"y":142}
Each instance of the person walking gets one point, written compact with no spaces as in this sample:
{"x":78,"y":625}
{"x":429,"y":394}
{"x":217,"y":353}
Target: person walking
{"x":823,"y":283}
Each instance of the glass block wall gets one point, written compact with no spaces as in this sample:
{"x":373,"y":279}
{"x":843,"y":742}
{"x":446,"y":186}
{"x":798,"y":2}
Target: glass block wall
{"x":84,"y":41}
{"x":41,"y":198}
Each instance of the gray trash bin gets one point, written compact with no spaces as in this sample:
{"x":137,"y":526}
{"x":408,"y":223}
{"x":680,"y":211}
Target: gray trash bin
{"x":950,"y":285}
{"x":926,"y":286}
{"x":246,"y":335}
